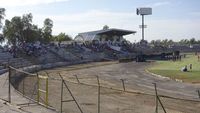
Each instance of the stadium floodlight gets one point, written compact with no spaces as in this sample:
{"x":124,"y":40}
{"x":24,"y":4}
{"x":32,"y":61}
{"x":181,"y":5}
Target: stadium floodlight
{"x":143,"y":11}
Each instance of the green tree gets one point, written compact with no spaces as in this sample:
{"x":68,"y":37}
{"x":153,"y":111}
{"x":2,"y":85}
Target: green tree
{"x":165,"y":42}
{"x":1,"y":38}
{"x":63,"y":37}
{"x":198,"y":42}
{"x":47,"y":30}
{"x":27,"y":30}
{"x":13,"y":30}
{"x":184,"y":42}
{"x":158,"y":42}
{"x":170,"y":42}
{"x":192,"y":41}
{"x":2,"y":14}
{"x":21,"y":29}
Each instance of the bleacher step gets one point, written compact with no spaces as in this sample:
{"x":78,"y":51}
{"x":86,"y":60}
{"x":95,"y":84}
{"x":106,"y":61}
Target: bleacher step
{"x":3,"y":71}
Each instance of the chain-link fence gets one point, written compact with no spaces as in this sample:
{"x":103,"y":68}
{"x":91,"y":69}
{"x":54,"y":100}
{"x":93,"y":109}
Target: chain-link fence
{"x":93,"y":94}
{"x":23,"y":82}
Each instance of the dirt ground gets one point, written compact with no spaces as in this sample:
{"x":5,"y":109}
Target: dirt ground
{"x":111,"y":100}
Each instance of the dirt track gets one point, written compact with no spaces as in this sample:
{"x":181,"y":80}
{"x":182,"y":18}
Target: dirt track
{"x":117,"y":101}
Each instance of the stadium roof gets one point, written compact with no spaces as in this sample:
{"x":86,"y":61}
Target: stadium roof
{"x":113,"y":31}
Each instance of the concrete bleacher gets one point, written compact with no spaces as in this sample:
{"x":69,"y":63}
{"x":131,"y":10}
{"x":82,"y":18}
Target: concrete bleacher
{"x":5,"y":55}
{"x":64,"y":54}
{"x":84,"y":54}
{"x":76,"y":53}
{"x":70,"y":53}
{"x":50,"y":56}
{"x":7,"y":59}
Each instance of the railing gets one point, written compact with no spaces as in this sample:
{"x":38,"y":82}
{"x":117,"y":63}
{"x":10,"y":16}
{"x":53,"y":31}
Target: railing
{"x":88,"y":92}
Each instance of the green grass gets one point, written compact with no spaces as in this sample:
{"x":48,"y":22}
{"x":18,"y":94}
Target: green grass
{"x":173,"y":69}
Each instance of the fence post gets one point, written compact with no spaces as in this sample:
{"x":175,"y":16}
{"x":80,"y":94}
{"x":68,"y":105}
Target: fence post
{"x":47,"y":91}
{"x":161,"y":105}
{"x":156,"y":111}
{"x":23,"y":87}
{"x":123,"y":84}
{"x":64,"y":83}
{"x":38,"y":87}
{"x":158,"y":100}
{"x":21,"y":64}
{"x":198,"y":93}
{"x":61,"y":105}
{"x":77,"y":79}
{"x":47,"y":73}
{"x":9,"y":92}
{"x":98,"y":94}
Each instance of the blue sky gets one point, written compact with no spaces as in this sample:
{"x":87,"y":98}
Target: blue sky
{"x":172,"y":19}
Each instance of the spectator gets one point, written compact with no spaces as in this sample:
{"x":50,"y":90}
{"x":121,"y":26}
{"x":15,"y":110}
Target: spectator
{"x":190,"y":66}
{"x":184,"y":69}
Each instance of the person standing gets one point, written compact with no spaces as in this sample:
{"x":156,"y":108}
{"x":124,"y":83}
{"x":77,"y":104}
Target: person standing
{"x":190,"y":66}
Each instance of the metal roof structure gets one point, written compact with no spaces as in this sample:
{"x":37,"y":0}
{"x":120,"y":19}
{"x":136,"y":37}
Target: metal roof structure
{"x":86,"y":36}
{"x":112,"y":31}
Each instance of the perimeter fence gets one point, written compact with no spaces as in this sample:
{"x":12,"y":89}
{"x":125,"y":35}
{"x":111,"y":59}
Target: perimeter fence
{"x":92,"y":94}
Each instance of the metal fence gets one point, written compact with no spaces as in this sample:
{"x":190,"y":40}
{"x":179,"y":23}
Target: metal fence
{"x":90,"y":94}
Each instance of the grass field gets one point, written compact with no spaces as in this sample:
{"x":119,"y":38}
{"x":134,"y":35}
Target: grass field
{"x":173,"y":69}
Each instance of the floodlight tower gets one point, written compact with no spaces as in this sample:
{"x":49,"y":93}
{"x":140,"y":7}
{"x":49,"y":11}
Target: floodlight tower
{"x":143,"y":11}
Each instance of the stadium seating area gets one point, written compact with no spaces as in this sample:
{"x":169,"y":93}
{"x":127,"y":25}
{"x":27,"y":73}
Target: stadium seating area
{"x":8,"y":59}
{"x":26,"y":54}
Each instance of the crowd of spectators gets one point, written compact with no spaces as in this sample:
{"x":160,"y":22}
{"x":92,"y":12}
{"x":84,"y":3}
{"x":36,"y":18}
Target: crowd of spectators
{"x":30,"y":49}
{"x":100,"y":47}
{"x":96,"y":47}
{"x":37,"y":49}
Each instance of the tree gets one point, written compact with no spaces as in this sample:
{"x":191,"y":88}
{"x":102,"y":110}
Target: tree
{"x":63,"y":37}
{"x":37,"y":33}
{"x":198,"y":42}
{"x":162,"y":43}
{"x":105,"y":27}
{"x":2,"y":14}
{"x":192,"y":41}
{"x":184,"y":42}
{"x":47,"y":30}
{"x":165,"y":42}
{"x":26,"y":22}
{"x":158,"y":42}
{"x":171,"y":42}
{"x":21,"y":29}
{"x":1,"y":38}
{"x":13,"y":30}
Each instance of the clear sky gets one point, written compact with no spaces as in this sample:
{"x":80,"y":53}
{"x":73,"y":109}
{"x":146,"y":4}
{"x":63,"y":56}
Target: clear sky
{"x":172,"y":19}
